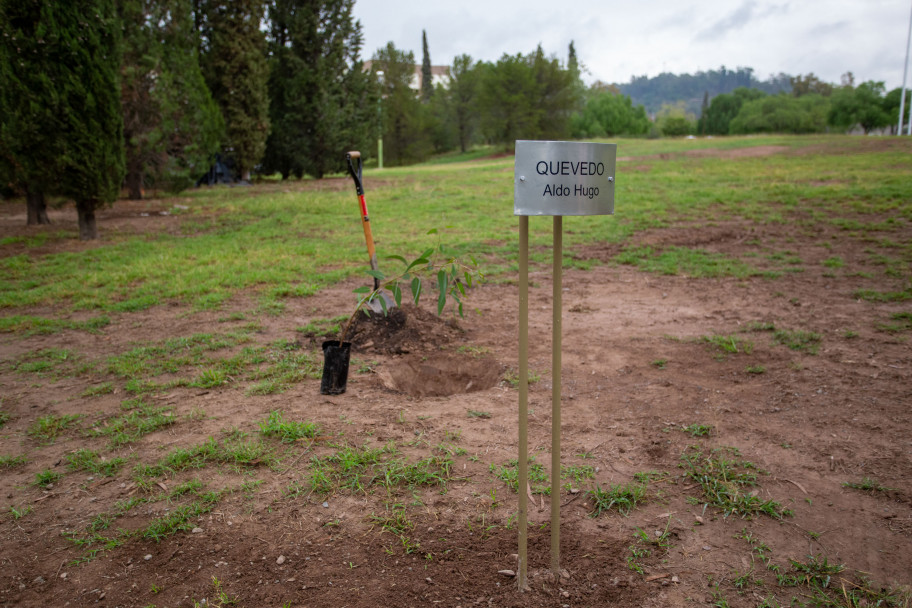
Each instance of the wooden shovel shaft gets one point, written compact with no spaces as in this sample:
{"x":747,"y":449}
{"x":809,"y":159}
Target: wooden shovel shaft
{"x":369,"y":238}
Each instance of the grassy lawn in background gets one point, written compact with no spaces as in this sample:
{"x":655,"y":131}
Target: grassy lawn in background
{"x":287,"y":242}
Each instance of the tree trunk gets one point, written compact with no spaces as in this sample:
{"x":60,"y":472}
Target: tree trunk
{"x":88,"y":229}
{"x":37,"y":208}
{"x":135,"y":184}
{"x":245,"y":175}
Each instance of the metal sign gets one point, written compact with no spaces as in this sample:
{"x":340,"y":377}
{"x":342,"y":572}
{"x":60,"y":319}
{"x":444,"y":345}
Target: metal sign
{"x":563,"y":178}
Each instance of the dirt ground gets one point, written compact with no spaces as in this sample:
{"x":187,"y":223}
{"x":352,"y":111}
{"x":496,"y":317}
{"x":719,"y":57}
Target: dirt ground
{"x":635,"y":374}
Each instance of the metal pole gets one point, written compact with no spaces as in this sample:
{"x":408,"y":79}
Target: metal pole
{"x":522,"y":567}
{"x":555,"y":398}
{"x":902,"y":99}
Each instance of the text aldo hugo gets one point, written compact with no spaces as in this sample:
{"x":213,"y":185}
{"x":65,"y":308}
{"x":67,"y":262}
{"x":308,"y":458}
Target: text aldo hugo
{"x":569,"y":168}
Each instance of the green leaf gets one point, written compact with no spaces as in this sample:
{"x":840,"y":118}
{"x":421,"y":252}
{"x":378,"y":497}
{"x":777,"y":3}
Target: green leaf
{"x":377,"y":274}
{"x":468,"y":279}
{"x":432,"y":231}
{"x":460,"y":286}
{"x":383,"y":304}
{"x":397,"y":294}
{"x":416,"y":289}
{"x":460,"y":311}
{"x":418,"y":262}
{"x":362,"y":289}
{"x":397,"y":257}
{"x":442,"y":287}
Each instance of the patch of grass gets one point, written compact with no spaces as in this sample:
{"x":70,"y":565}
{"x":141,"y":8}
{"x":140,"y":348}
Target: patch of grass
{"x":4,"y":418}
{"x":478,"y":414}
{"x":19,"y":513}
{"x":284,"y":364}
{"x":29,"y":325}
{"x":9,"y":462}
{"x":871,"y":295}
{"x":902,"y":321}
{"x":726,"y":482}
{"x":88,"y":460}
{"x":232,"y":452}
{"x":105,"y":388}
{"x":867,"y":484}
{"x":660,"y":363}
{"x":755,"y":369}
{"x":509,"y":474}
{"x":476,"y":352}
{"x":698,"y":430}
{"x":695,"y":263}
{"x":54,"y":362}
{"x":288,"y":431}
{"x":321,"y":328}
{"x":728,"y":344}
{"x":623,"y":497}
{"x":49,"y":428}
{"x":807,"y":341}
{"x":220,"y":598}
{"x":647,"y":477}
{"x":397,"y":523}
{"x":816,"y":571}
{"x":47,"y":478}
{"x":139,"y":419}
{"x":511,"y":377}
{"x":360,"y":469}
{"x":180,"y":518}
{"x":833,"y":262}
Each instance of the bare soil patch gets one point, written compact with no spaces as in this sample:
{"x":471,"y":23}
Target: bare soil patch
{"x":637,"y":372}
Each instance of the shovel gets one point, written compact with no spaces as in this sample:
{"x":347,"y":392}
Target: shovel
{"x":354,"y":158}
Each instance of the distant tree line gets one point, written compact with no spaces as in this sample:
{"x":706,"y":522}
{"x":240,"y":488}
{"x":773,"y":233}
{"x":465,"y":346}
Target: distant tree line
{"x":812,"y":106}
{"x":100,"y":95}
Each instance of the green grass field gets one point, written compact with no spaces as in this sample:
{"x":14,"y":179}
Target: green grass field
{"x":291,"y":243}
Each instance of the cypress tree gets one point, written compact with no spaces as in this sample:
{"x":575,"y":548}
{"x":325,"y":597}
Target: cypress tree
{"x":63,"y":129}
{"x":236,"y":71}
{"x":321,"y":101}
{"x":172,"y":126}
{"x":427,"y":78}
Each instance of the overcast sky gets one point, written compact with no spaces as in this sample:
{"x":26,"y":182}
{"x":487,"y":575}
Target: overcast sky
{"x":616,"y":40}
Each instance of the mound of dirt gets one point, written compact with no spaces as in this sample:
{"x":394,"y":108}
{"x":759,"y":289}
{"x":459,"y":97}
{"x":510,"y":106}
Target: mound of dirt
{"x":404,"y":330}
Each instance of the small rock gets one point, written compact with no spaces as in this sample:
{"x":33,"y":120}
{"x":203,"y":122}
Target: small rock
{"x":63,"y":575}
{"x":280,"y":560}
{"x":325,"y":505}
{"x":39,"y":580}
{"x":429,"y":581}
{"x":564,"y":574}
{"x":699,"y":520}
{"x":148,"y":557}
{"x":506,"y":572}
{"x":565,"y":594}
{"x":675,"y":579}
{"x":196,"y":530}
{"x":707,"y":548}
{"x":574,"y":490}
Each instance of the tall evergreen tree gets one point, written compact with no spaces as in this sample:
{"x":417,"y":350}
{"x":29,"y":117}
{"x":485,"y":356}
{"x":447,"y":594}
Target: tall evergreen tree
{"x":172,"y":126}
{"x":63,"y":133}
{"x":233,"y":57}
{"x":321,"y":101}
{"x":30,"y":139}
{"x":427,"y":76}
{"x":404,"y":138}
{"x":463,"y":92}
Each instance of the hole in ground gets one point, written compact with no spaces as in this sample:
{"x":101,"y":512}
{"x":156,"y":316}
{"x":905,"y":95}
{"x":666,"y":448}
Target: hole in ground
{"x":441,"y":375}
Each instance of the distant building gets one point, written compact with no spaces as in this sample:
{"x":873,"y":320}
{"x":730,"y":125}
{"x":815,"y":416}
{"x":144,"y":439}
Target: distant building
{"x":440,"y":74}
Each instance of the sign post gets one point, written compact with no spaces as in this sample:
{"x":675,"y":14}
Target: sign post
{"x":551,"y":178}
